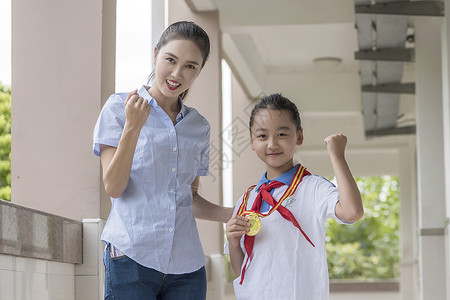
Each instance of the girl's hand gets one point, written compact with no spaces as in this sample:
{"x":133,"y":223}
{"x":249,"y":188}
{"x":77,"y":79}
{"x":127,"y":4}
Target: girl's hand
{"x":137,"y":110}
{"x":336,"y":144}
{"x":237,"y":226}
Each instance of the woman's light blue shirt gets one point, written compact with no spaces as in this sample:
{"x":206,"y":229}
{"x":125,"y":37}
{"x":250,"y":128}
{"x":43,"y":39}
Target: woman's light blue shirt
{"x":152,"y":222}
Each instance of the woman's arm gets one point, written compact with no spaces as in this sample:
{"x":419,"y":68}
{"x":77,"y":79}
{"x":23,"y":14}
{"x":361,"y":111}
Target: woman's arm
{"x":116,"y":162}
{"x":349,"y":208}
{"x":203,"y":209}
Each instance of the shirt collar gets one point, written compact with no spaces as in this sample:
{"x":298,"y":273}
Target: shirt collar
{"x":285,"y":178}
{"x":143,"y":92}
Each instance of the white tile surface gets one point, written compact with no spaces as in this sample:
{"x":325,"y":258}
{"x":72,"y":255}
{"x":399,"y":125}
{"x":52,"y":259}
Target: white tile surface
{"x":87,"y":288}
{"x":61,"y":287}
{"x":92,"y":248}
{"x":7,"y":290}
{"x":32,"y":279}
{"x":89,"y":279}
{"x":29,"y":286}
{"x":58,"y":268}
{"x":7,"y":262}
{"x":30,"y":265}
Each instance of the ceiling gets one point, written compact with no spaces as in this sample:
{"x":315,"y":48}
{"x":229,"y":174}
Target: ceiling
{"x":283,"y":46}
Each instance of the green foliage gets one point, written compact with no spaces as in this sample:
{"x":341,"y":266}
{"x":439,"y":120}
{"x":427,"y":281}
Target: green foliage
{"x":5,"y":142}
{"x":369,"y":248}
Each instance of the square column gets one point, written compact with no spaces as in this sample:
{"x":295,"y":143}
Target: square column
{"x":205,"y":96}
{"x":446,"y":115}
{"x":62,"y":70}
{"x":430,"y":159}
{"x":409,"y":284}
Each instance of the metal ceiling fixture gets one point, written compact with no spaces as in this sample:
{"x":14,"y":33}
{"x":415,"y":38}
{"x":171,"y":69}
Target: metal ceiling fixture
{"x":385,"y":43}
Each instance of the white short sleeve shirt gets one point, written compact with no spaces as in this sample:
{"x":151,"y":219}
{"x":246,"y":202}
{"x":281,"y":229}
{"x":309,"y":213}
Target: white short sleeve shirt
{"x":283,"y":264}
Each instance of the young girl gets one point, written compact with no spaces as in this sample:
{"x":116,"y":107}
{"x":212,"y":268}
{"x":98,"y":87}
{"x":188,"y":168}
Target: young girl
{"x":276,"y":238}
{"x":153,"y":149}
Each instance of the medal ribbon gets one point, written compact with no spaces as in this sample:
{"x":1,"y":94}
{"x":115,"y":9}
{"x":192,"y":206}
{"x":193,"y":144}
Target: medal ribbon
{"x":264,"y":193}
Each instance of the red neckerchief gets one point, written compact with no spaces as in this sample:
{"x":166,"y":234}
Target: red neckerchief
{"x":264,"y":193}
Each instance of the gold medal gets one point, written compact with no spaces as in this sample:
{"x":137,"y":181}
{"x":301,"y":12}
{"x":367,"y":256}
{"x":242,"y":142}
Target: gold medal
{"x":255,"y":224}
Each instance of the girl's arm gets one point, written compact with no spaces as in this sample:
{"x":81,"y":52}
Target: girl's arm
{"x":203,"y":209}
{"x":236,"y":228}
{"x":349,"y":207}
{"x":116,"y":162}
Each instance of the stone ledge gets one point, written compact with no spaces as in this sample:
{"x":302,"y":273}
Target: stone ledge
{"x":31,"y":233}
{"x":347,"y":286}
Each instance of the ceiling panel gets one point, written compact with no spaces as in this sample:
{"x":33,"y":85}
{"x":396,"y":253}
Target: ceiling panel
{"x":271,"y":46}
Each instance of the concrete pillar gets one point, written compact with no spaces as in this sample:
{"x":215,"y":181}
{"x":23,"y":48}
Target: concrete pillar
{"x":446,"y":116}
{"x":409,"y":285}
{"x":205,"y":96}
{"x":62,"y":68}
{"x":430,"y":159}
{"x":247,"y":167}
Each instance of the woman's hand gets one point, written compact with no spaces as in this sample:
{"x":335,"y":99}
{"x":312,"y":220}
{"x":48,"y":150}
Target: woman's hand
{"x":117,"y":162}
{"x":137,"y":110}
{"x":237,"y":226}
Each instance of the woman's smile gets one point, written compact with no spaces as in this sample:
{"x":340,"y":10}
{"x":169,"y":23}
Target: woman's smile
{"x":172,"y":85}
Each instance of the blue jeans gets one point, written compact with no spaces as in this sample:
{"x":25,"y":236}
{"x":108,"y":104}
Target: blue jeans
{"x":125,"y":279}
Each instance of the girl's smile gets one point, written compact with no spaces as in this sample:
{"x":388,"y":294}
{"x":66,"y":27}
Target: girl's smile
{"x":274,"y":154}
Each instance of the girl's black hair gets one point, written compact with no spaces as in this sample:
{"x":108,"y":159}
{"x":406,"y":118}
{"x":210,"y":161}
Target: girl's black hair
{"x":184,"y":30}
{"x":276,"y":102}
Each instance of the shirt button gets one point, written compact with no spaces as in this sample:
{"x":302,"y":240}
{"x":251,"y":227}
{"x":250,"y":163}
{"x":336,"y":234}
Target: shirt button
{"x":172,"y":130}
{"x":172,"y":190}
{"x":173,"y":169}
{"x":172,"y":207}
{"x":170,"y":229}
{"x":174,"y":148}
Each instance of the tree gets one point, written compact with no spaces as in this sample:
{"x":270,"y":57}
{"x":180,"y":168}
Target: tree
{"x":5,"y":142}
{"x":369,"y":248}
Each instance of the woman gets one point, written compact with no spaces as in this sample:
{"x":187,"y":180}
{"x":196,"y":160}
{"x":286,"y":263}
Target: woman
{"x":153,"y":149}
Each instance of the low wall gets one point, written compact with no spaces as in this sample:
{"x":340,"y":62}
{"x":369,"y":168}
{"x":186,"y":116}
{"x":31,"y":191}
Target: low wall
{"x":24,"y":278}
{"x":43,"y":256}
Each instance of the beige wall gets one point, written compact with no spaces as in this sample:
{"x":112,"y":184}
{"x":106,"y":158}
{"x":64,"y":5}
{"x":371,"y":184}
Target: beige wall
{"x":61,"y":71}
